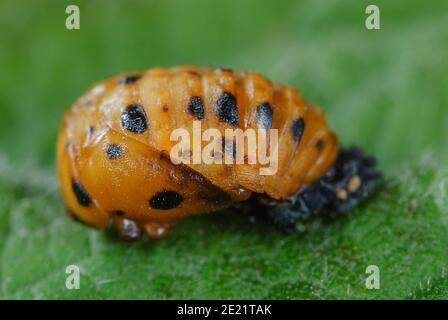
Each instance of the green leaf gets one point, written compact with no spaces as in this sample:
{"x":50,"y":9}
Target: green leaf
{"x":402,"y":230}
{"x":382,"y":89}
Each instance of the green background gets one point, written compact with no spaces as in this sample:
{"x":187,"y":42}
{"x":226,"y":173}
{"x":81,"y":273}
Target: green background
{"x":386,"y":90}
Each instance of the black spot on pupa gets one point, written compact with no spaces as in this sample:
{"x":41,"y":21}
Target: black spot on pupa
{"x":227,"y":109}
{"x":81,"y":194}
{"x":129,"y":79}
{"x":196,"y":107}
{"x":165,"y":108}
{"x":264,"y":115}
{"x":134,"y":118}
{"x":119,"y":213}
{"x":165,"y":200}
{"x":297,"y":128}
{"x":114,"y":151}
{"x":320,"y":144}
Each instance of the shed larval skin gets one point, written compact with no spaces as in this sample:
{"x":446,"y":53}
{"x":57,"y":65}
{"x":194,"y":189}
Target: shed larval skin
{"x":114,"y":143}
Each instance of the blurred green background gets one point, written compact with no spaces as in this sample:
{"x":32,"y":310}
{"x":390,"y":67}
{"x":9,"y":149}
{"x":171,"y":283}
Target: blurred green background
{"x":386,"y":90}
